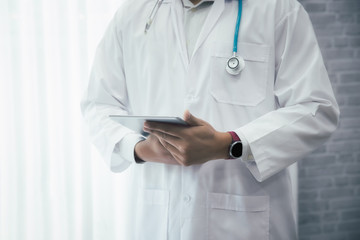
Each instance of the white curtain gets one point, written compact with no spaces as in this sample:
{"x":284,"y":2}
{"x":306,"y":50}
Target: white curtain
{"x":53,"y":184}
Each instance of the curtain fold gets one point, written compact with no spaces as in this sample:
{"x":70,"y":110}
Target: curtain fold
{"x":53,"y":184}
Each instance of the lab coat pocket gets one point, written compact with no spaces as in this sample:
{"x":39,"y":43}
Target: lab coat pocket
{"x":152,"y":214}
{"x":234,"y":217}
{"x":248,"y":88}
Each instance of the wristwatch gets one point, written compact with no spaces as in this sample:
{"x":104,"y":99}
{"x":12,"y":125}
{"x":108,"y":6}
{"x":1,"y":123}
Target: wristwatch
{"x":236,"y":147}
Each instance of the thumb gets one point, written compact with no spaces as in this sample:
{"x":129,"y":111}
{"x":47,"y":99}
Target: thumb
{"x":192,"y":120}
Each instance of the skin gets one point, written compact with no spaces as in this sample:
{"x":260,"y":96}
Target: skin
{"x":197,"y":143}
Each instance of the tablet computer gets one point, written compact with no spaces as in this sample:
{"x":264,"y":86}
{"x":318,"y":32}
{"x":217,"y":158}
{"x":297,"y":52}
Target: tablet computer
{"x":136,"y":123}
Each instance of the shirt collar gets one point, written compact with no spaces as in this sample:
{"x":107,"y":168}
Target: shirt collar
{"x":189,"y":4}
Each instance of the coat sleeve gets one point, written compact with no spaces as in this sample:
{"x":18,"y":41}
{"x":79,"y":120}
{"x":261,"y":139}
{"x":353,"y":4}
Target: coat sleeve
{"x":106,"y":94}
{"x":307,"y":111}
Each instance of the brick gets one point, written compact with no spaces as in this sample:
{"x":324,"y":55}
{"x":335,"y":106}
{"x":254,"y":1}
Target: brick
{"x":354,"y":180}
{"x":353,"y":203}
{"x":313,"y":183}
{"x":308,"y":195}
{"x":346,"y":134}
{"x":302,"y":172}
{"x":349,"y":123}
{"x":325,"y":42}
{"x":349,"y":89}
{"x":322,"y":19}
{"x":342,"y":181}
{"x":350,"y":215}
{"x":309,"y":229}
{"x":343,"y":147}
{"x":313,"y":206}
{"x":350,"y":77}
{"x":326,"y":236}
{"x":329,"y":227}
{"x":343,"y":6}
{"x":330,"y":216}
{"x":353,"y":169}
{"x":330,"y":54}
{"x":329,"y":31}
{"x":344,"y":65}
{"x":337,"y":193}
{"x":355,"y":41}
{"x":345,"y":158}
{"x":354,"y":101}
{"x":346,"y":18}
{"x":354,"y":235}
{"x":309,"y":218}
{"x":314,"y":160}
{"x":341,"y":42}
{"x":349,"y":226}
{"x":353,"y":30}
{"x":324,"y":171}
{"x":315,"y":7}
{"x":350,"y":111}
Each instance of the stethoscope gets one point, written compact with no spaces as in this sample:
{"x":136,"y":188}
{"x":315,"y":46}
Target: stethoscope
{"x":235,"y":64}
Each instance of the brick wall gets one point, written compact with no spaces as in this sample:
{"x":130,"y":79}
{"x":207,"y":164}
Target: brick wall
{"x":329,"y":179}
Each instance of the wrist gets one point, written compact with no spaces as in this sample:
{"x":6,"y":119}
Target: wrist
{"x":223,"y":142}
{"x":139,"y":151}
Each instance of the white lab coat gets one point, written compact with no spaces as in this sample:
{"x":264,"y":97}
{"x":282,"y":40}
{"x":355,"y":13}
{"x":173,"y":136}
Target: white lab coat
{"x":282,"y":105}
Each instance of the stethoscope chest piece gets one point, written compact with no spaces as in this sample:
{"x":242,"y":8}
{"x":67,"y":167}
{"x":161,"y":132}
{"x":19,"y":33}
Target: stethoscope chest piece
{"x":235,"y":65}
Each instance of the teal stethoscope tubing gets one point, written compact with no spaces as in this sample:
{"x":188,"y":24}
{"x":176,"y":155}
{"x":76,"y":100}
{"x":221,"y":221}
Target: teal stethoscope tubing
{"x":238,"y":20}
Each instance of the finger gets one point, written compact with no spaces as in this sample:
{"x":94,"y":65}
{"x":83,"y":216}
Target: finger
{"x":192,"y":120}
{"x":166,"y":137}
{"x":175,"y":153}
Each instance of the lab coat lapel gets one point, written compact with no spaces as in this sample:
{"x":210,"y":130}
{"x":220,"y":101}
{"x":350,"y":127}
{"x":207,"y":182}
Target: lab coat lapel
{"x":178,"y":24}
{"x":212,"y":18}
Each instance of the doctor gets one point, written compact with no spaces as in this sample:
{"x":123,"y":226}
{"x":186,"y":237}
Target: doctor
{"x":258,"y":101}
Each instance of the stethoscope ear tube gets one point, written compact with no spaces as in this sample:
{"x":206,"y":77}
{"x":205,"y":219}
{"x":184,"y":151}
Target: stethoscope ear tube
{"x":153,"y":14}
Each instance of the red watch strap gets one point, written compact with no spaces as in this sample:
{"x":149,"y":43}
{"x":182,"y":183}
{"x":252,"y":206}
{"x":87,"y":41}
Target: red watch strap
{"x":234,"y":136}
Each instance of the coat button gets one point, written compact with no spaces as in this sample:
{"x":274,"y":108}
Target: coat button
{"x":187,"y":198}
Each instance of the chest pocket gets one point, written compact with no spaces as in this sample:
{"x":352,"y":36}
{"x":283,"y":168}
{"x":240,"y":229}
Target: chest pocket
{"x":247,"y":88}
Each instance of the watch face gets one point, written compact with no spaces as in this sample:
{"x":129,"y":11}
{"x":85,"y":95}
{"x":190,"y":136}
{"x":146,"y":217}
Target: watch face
{"x":236,"y":150}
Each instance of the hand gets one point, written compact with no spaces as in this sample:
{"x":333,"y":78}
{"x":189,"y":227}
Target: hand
{"x":194,"y":144}
{"x":151,"y":150}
